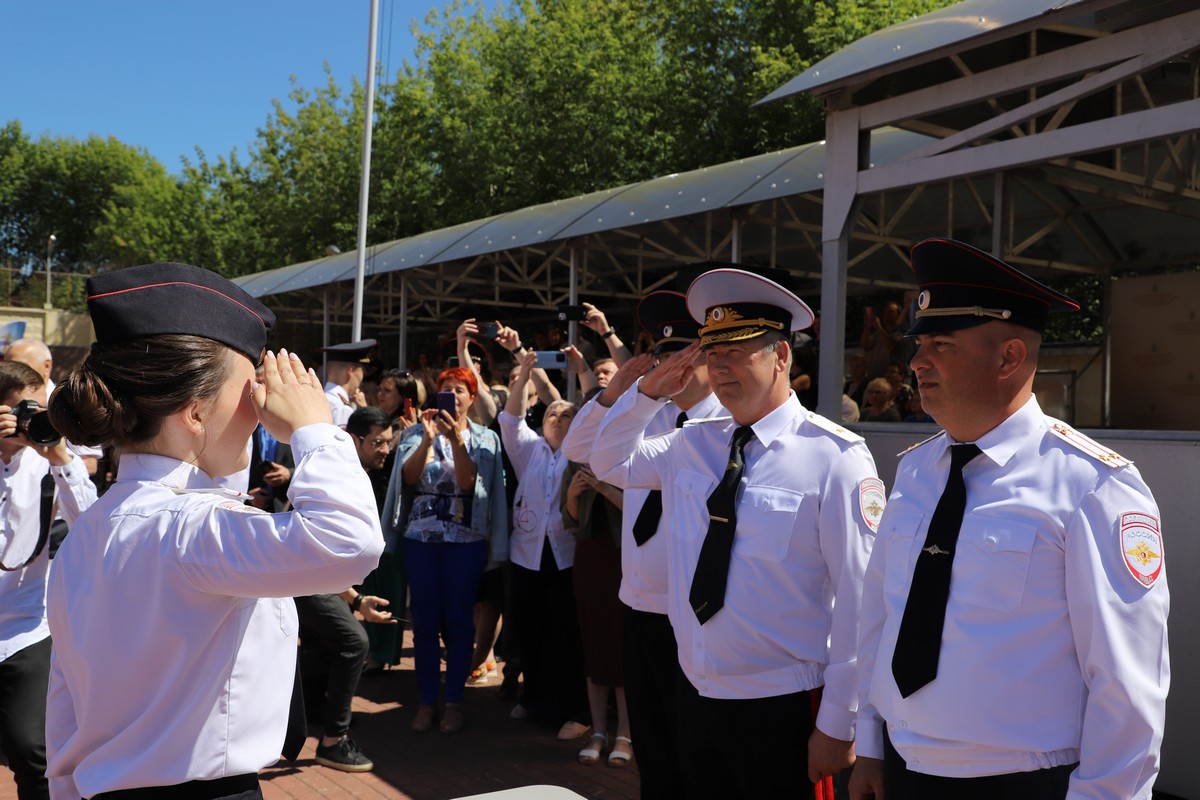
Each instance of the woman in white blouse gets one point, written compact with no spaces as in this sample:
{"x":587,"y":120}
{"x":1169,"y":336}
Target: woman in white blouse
{"x":542,"y":551}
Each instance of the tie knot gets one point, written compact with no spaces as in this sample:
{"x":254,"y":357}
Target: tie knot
{"x":960,"y":454}
{"x":743,"y":434}
{"x":682,"y":418}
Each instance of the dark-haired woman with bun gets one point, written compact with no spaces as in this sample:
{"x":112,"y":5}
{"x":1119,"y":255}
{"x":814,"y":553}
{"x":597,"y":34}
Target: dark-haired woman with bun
{"x":170,"y":603}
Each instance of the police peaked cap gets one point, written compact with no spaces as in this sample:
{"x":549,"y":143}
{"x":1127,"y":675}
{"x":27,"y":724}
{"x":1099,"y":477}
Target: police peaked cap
{"x":351,"y":352}
{"x":736,"y":304}
{"x":664,"y":315}
{"x":962,"y":286}
{"x":171,"y":298}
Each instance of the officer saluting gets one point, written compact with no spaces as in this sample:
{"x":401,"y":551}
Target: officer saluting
{"x":651,"y":658}
{"x":1014,"y":632}
{"x":768,"y":517}
{"x":170,"y":602}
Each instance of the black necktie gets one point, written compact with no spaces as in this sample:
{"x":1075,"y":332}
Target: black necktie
{"x":915,"y":661}
{"x":646,"y":523}
{"x":712,"y":568}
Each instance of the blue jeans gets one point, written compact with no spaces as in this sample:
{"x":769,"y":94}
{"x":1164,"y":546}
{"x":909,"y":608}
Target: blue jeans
{"x":443,"y":580}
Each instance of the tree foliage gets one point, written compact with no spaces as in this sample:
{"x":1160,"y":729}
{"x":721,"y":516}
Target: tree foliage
{"x":502,"y":107}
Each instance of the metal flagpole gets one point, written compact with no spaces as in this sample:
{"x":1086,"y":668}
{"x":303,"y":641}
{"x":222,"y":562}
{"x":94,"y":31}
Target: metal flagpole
{"x":365,"y":180}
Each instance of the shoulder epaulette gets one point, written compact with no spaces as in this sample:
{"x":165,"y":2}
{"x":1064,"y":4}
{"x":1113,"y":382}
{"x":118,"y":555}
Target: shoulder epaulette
{"x":912,"y":447}
{"x":219,"y":491}
{"x":1089,"y":446}
{"x":826,"y":424}
{"x":701,"y":420}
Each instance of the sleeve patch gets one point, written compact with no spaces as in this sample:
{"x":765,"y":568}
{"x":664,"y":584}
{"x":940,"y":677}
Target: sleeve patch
{"x":871,"y":501}
{"x":1142,"y":547}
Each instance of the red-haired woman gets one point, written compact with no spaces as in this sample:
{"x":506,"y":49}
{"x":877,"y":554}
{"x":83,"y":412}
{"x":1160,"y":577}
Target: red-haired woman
{"x":446,"y":500}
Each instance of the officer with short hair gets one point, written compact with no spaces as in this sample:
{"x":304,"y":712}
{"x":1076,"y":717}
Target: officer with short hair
{"x":1014,"y":638}
{"x":768,"y":515}
{"x":345,"y":364}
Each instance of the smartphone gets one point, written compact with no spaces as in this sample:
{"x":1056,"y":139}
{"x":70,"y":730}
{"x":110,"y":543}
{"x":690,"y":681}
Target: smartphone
{"x":489,"y":330}
{"x":569,"y":313}
{"x":408,"y":405}
{"x":266,"y":466}
{"x":446,"y":401}
{"x":550,"y":359}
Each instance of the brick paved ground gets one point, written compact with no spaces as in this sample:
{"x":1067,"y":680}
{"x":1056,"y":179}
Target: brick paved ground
{"x":493,"y":752}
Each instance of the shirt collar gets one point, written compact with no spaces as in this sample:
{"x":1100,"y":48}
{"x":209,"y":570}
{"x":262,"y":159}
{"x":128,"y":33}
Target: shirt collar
{"x":162,"y":469}
{"x":1002,"y":442}
{"x":708,"y":407}
{"x":767,"y":429}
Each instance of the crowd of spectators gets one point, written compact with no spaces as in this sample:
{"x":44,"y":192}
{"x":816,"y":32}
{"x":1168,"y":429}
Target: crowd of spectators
{"x":502,"y":554}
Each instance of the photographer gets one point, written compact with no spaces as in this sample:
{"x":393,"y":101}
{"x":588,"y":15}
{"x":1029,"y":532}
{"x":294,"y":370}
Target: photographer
{"x":39,"y":475}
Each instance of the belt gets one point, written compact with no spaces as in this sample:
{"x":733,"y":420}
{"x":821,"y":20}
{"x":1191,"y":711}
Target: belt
{"x":192,"y":790}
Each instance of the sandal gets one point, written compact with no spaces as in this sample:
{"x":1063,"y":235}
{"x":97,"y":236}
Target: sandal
{"x":619,"y":758}
{"x":572,"y":730}
{"x":480,"y":675}
{"x":591,"y":754}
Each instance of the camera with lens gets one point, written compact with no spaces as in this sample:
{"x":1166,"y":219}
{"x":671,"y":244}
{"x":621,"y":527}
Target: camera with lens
{"x":34,"y":422}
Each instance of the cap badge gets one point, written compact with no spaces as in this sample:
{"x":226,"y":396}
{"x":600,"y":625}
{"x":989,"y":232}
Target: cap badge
{"x":923,"y":299}
{"x":667,"y":330}
{"x":721,"y":314}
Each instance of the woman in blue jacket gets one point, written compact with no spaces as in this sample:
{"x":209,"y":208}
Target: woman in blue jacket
{"x":446,"y":502}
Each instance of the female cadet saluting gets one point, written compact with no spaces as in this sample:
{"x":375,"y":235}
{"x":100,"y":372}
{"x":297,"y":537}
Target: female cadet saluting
{"x":170,"y":603}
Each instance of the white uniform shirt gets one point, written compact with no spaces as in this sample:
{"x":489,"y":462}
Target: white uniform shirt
{"x":23,"y":592}
{"x":1049,"y":641}
{"x":801,"y":543}
{"x":339,"y":403}
{"x":174,"y":628}
{"x":644,"y":568}
{"x":537,"y":515}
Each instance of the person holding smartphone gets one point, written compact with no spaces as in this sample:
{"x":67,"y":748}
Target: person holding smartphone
{"x":446,"y":508}
{"x":544,"y":621}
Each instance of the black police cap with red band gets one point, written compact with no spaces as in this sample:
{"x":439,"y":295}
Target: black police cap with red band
{"x":962,"y":286}
{"x":171,"y":298}
{"x":664,"y":315}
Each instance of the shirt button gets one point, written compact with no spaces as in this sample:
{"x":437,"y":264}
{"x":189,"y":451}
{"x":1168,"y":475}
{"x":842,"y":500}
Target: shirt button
{"x":902,"y":724}
{"x":915,"y":761}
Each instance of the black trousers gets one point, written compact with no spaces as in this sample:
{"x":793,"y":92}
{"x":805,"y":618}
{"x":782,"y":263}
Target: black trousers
{"x":24,"y":677}
{"x":328,"y":619}
{"x":545,"y":627}
{"x":749,"y":749}
{"x":651,"y":670}
{"x":234,"y":787}
{"x":900,"y":783}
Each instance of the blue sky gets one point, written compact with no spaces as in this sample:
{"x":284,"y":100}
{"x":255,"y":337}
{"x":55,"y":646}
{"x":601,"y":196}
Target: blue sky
{"x":171,"y":75}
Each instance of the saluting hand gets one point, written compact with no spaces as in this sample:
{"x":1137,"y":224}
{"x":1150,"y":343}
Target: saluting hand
{"x":625,"y":376}
{"x":670,"y":377}
{"x":289,"y":397}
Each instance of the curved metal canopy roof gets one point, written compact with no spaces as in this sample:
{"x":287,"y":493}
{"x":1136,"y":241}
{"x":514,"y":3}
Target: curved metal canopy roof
{"x":907,"y":42}
{"x":774,"y":175}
